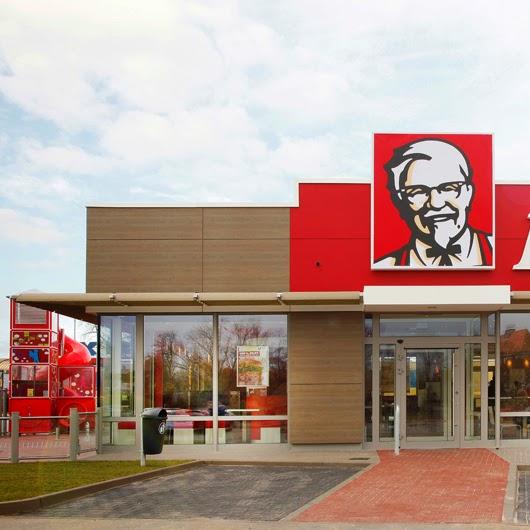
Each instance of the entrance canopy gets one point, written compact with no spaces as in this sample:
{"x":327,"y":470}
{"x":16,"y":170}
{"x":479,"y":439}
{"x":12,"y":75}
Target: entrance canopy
{"x":86,"y":306}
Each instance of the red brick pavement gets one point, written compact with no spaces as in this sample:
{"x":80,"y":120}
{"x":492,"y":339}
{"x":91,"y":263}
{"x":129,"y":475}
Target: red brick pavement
{"x":432,"y":486}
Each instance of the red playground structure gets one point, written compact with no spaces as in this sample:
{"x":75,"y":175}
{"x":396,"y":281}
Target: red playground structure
{"x":50,"y":373}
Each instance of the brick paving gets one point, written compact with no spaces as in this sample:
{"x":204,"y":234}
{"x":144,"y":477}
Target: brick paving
{"x":249,"y":492}
{"x":433,"y":486}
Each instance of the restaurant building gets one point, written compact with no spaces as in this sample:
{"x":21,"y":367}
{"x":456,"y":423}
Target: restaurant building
{"x":311,"y":324}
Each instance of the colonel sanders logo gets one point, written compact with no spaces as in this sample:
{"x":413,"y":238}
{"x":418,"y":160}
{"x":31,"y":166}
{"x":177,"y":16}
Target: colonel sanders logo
{"x":431,"y":184}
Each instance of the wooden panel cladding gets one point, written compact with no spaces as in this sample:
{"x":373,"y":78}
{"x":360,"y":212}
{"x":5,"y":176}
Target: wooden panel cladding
{"x":246,"y":265}
{"x":325,"y":378}
{"x":325,"y":348}
{"x":325,"y":414}
{"x":144,"y":223}
{"x":246,"y":223}
{"x":144,"y":266}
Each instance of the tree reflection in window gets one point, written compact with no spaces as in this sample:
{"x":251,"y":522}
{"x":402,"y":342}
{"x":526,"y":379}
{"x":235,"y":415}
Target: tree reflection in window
{"x":178,"y":358}
{"x":253,"y":330}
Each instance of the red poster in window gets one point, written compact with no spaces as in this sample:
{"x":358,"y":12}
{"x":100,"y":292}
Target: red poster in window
{"x":432,"y":199}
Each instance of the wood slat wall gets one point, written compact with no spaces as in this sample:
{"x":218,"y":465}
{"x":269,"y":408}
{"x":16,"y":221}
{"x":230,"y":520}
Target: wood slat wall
{"x":137,"y":249}
{"x":325,"y":414}
{"x":144,"y":265}
{"x":251,"y":265}
{"x":325,"y":378}
{"x":144,"y":223}
{"x":246,"y":223}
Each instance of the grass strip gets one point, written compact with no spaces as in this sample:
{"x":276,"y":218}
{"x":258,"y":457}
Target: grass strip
{"x":30,"y":479}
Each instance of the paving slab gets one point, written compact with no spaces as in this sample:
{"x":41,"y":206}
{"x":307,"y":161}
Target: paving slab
{"x":247,"y":492}
{"x":429,"y":486}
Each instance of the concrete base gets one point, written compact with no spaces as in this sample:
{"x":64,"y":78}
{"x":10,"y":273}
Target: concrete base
{"x":269,"y":435}
{"x":208,"y":436}
{"x":183,"y":436}
{"x":339,"y":454}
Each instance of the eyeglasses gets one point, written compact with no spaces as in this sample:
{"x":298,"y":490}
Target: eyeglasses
{"x":420,"y":194}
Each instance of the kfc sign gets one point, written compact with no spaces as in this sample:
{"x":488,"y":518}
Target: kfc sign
{"x":433,"y":202}
{"x":524,"y":262}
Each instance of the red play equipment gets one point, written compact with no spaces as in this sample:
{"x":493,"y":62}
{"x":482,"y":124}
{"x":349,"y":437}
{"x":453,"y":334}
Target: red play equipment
{"x":50,"y":372}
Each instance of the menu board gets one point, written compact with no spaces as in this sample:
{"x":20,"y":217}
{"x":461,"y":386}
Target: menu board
{"x":253,"y":366}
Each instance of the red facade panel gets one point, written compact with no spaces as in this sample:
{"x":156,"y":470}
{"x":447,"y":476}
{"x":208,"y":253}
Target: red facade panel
{"x":330,"y":242}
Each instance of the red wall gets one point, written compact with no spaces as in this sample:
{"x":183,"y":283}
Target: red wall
{"x":331,"y":226}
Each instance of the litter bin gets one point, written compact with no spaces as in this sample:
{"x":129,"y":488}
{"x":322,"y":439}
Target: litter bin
{"x":154,"y":427}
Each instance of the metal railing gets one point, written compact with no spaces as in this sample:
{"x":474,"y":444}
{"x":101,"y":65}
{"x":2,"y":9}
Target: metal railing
{"x":54,"y":437}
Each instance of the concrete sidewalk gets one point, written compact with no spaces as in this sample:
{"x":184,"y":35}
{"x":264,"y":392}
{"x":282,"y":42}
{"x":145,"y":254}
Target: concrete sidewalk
{"x":30,"y":523}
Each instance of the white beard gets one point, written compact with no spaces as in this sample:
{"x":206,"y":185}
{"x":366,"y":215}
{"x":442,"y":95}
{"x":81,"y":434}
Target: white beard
{"x":443,"y":234}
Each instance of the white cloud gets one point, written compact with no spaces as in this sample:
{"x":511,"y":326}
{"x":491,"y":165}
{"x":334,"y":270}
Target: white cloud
{"x":69,"y":159}
{"x":24,"y":229}
{"x":43,"y":193}
{"x":147,"y":138}
{"x":328,"y":95}
{"x":4,"y":326}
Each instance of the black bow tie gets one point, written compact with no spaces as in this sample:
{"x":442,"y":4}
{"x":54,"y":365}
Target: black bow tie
{"x":444,"y":254}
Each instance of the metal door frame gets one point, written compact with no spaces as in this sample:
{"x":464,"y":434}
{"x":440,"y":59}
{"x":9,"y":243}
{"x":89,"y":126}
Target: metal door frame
{"x":374,"y":341}
{"x":458,"y":411}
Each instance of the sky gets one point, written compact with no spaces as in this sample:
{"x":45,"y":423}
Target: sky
{"x":177,"y":102}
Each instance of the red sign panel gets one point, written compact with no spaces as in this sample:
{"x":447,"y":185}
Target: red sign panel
{"x":331,"y":240}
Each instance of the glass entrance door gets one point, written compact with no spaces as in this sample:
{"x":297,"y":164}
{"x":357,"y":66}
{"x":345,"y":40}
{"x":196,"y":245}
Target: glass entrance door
{"x":428,"y":390}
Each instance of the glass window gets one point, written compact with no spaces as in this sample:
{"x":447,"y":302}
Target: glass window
{"x":387,"y":389}
{"x":491,"y":391}
{"x":178,"y":363}
{"x":492,"y":321}
{"x":515,"y":361}
{"x":117,"y":353}
{"x":514,"y":427}
{"x":429,"y":393}
{"x":119,"y":432}
{"x":253,"y":372}
{"x":29,"y":381}
{"x":429,"y":325}
{"x":253,"y":431}
{"x":25,"y":314}
{"x":368,"y":326}
{"x":473,"y":363}
{"x":368,"y":392}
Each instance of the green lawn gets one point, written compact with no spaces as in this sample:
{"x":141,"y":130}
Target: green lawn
{"x":19,"y":481}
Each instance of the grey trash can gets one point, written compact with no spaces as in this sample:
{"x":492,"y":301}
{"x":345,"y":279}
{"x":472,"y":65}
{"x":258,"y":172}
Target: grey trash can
{"x":154,"y":427}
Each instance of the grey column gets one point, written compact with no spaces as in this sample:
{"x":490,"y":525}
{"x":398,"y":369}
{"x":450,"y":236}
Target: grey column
{"x":215,"y":381}
{"x":139,"y":377}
